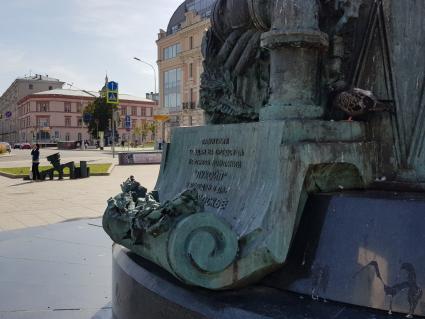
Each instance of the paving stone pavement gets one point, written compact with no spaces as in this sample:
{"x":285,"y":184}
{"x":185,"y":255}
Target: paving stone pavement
{"x":55,"y":259}
{"x":28,"y":204}
{"x":60,"y":271}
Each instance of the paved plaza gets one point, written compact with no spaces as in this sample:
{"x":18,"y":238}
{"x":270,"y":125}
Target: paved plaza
{"x":28,"y":204}
{"x":55,"y":258}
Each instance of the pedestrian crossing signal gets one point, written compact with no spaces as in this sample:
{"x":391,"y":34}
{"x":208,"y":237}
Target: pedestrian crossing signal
{"x":112,"y":97}
{"x":112,"y":92}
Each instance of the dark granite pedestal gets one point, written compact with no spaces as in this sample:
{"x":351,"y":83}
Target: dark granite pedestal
{"x":359,"y":254}
{"x":141,"y":290}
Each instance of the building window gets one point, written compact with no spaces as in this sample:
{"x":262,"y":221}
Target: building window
{"x":67,"y":137}
{"x":172,"y":51}
{"x":123,"y":110}
{"x":43,"y":122}
{"x":143,"y":113}
{"x":191,"y":70}
{"x":67,"y":121}
{"x":149,"y":111}
{"x":80,"y":137}
{"x":57,"y":134}
{"x":175,"y":28}
{"x":42,"y":106}
{"x":201,"y":7}
{"x":133,"y":123}
{"x":79,"y":107}
{"x":134,"y":111}
{"x":30,"y":86}
{"x":172,"y":88}
{"x":80,"y":122}
{"x":67,"y":107}
{"x":43,"y":135}
{"x":191,"y":96}
{"x":190,"y":43}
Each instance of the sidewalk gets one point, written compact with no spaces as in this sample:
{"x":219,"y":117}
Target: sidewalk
{"x":28,"y":204}
{"x":54,"y":264}
{"x":60,"y":271}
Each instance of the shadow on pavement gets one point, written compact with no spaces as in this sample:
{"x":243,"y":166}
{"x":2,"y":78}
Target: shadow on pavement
{"x":20,"y":184}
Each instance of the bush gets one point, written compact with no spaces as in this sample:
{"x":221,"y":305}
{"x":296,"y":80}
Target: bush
{"x":2,"y":149}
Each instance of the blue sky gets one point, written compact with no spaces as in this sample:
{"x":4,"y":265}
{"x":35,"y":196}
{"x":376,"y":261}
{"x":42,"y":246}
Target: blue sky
{"x":78,"y":41}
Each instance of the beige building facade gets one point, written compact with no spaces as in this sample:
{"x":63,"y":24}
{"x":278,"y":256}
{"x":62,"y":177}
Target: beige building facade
{"x":20,"y":88}
{"x":180,"y":66}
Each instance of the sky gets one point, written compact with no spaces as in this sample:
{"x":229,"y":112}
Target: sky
{"x":79,"y":41}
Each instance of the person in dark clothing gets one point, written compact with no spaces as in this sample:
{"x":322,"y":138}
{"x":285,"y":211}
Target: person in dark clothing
{"x":35,"y":154}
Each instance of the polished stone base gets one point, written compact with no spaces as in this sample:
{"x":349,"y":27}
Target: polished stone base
{"x":345,"y":241}
{"x":142,"y":290}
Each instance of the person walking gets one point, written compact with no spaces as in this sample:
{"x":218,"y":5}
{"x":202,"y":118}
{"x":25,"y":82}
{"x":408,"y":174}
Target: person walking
{"x":35,"y":154}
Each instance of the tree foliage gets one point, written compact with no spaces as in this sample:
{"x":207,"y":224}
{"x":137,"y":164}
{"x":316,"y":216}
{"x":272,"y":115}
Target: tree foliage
{"x":141,"y":131}
{"x":152,"y":126}
{"x":100,"y":115}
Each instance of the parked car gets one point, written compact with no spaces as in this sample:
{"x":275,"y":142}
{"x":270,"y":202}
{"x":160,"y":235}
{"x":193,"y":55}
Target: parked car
{"x":17,"y":145}
{"x":7,"y":145}
{"x":25,"y":146}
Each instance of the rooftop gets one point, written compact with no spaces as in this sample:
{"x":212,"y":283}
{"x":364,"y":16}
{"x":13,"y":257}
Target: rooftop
{"x":38,"y":77}
{"x":201,"y":7}
{"x":84,"y":93}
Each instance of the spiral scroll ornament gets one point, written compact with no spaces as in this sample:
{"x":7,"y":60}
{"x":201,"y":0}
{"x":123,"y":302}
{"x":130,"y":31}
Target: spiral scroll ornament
{"x":201,"y":247}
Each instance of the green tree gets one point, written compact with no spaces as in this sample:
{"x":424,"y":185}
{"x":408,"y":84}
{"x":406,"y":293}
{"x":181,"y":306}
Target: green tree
{"x":100,"y":115}
{"x":152,"y":126}
{"x":141,"y":131}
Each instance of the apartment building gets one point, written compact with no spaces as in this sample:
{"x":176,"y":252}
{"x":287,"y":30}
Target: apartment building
{"x":20,"y":88}
{"x":180,"y":65}
{"x":57,"y":115}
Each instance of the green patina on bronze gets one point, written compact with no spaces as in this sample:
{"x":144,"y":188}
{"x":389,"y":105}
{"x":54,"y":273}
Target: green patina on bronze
{"x":195,"y":242}
{"x":281,"y":79}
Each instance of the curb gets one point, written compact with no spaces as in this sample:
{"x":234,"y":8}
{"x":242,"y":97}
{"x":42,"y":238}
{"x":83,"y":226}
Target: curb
{"x":7,"y":155}
{"x":111,"y":168}
{"x":13,"y":176}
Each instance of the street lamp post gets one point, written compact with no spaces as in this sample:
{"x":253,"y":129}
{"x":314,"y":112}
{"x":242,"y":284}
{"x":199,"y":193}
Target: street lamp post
{"x":155,"y":77}
{"x":153,"y":68}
